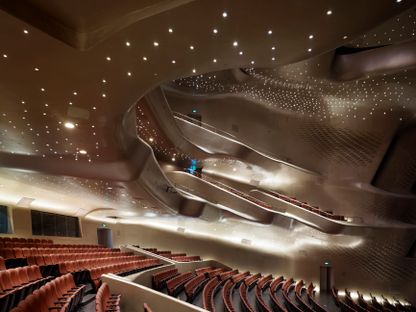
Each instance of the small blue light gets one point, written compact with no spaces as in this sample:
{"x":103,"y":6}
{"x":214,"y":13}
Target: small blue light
{"x":192,"y":168}
{"x":194,"y":110}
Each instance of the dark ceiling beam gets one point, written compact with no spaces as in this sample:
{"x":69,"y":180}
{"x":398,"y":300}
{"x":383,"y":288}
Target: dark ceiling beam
{"x":64,"y":27}
{"x":388,"y":59}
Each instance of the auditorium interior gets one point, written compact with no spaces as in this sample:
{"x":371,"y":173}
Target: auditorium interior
{"x":201,"y":155}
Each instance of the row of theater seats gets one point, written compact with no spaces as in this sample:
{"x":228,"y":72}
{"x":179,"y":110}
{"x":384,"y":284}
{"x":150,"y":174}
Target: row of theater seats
{"x":61,"y":294}
{"x":288,"y":199}
{"x":16,"y":284}
{"x":23,"y":252}
{"x":305,"y":205}
{"x":269,"y":294}
{"x":54,"y":278}
{"x":49,"y":259}
{"x":105,"y":301}
{"x":25,"y":240}
{"x":180,"y":257}
{"x":360,"y":304}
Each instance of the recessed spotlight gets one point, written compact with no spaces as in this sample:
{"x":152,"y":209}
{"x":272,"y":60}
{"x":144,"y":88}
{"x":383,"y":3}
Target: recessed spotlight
{"x":214,"y":60}
{"x":36,"y":69}
{"x":42,"y":89}
{"x":151,"y":140}
{"x":103,"y":95}
{"x":127,"y":43}
{"x":191,"y":47}
{"x":170,"y":30}
{"x":398,"y":1}
{"x":83,"y":152}
{"x":104,"y":81}
{"x":25,"y":31}
{"x":235,"y":43}
{"x":329,"y":12}
{"x":273,"y":58}
{"x":269,"y":32}
{"x":173,"y":158}
{"x":173,"y":62}
{"x":252,"y":62}
{"x":309,"y":50}
{"x":224,"y":14}
{"x":310,"y":37}
{"x":69,"y":125}
{"x":345,"y":37}
{"x":5,"y":55}
{"x":273,"y":48}
{"x":241,"y":52}
{"x":156,"y":44}
{"x":215,"y":31}
{"x":74,"y":93}
{"x":194,"y":70}
{"x":108,"y":58}
{"x":128,"y":73}
{"x":144,"y":58}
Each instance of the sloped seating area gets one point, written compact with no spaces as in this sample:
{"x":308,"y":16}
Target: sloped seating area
{"x":207,"y":286}
{"x":18,"y":252}
{"x":60,"y":294}
{"x":179,"y":257}
{"x":53,"y":277}
{"x":346,"y":302}
{"x":305,"y":205}
{"x":292,"y":200}
{"x":17,"y":283}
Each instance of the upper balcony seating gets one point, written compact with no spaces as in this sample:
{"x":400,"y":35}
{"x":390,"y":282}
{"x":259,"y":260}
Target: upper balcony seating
{"x":315,"y":209}
{"x":60,"y":294}
{"x":159,"y":279}
{"x":176,"y":284}
{"x":106,"y":302}
{"x":262,"y":284}
{"x":17,"y":283}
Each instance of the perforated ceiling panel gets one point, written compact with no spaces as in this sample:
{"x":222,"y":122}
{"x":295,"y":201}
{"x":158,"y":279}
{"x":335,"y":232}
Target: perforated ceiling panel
{"x":340,"y":145}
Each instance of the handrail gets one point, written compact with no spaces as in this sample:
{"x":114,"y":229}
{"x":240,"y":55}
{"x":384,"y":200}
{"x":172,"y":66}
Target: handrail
{"x":235,"y":191}
{"x":201,"y":124}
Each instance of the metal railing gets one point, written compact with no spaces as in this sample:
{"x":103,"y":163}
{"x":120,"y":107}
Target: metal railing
{"x":203,"y":125}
